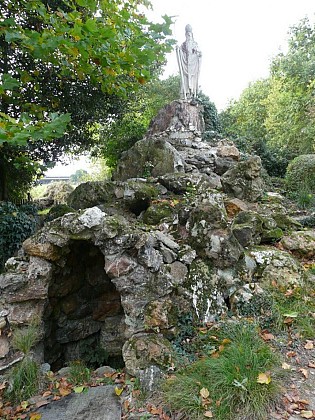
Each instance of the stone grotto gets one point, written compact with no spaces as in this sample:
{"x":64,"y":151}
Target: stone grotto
{"x":185,"y":226}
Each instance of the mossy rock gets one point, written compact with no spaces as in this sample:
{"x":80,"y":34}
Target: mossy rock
{"x":90,"y":194}
{"x":58,"y":211}
{"x":138,"y":196}
{"x":157,"y":212}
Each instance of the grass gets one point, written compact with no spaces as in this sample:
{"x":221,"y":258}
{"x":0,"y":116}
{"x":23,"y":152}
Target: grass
{"x":79,"y":374}
{"x":24,"y":377}
{"x":294,"y":307}
{"x":24,"y":380}
{"x":25,"y":339}
{"x":229,"y":377}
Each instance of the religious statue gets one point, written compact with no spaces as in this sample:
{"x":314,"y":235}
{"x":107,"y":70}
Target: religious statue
{"x":189,"y":60}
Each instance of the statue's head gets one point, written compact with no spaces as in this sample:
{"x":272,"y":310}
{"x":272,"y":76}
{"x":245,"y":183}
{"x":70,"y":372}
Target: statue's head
{"x":188,"y":29}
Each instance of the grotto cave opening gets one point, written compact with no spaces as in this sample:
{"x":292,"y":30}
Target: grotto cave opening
{"x":84,"y":318}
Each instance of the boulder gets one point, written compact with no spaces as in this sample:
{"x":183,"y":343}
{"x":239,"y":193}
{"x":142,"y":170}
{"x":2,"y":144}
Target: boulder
{"x":144,"y":350}
{"x":244,"y":180}
{"x":301,"y":243}
{"x":276,"y":267}
{"x":149,"y":157}
{"x":89,"y":194}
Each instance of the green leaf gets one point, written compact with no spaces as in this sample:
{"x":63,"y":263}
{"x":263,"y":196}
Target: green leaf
{"x":78,"y":389}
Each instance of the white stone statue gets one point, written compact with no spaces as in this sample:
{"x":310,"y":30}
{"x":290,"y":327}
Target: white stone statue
{"x":189,"y":60}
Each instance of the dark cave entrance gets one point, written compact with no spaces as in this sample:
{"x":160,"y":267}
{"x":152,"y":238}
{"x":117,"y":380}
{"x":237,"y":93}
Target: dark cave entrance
{"x":84,"y":318}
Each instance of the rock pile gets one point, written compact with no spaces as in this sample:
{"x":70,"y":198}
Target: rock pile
{"x":184,"y":227}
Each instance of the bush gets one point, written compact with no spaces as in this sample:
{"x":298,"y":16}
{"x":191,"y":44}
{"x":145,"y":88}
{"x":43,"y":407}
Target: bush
{"x":58,"y":191}
{"x":240,"y":380}
{"x":300,"y":175}
{"x":15,"y":226}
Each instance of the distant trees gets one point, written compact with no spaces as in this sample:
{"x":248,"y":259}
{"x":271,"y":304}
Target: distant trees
{"x":65,"y":64}
{"x":276,"y":116}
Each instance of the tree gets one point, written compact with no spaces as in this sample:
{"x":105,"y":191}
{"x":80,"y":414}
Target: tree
{"x":275,"y":117}
{"x":62,"y":57}
{"x":122,"y":133}
{"x":291,"y":101}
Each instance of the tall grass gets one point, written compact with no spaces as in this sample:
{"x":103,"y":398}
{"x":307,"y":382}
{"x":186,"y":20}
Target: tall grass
{"x":230,"y":377}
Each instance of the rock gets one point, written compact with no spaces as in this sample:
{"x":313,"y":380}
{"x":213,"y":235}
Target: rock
{"x":250,"y":300}
{"x":158,"y":153}
{"x":90,"y":194}
{"x":234,"y":206}
{"x":138,"y":195}
{"x":244,"y":180}
{"x":157,"y":212}
{"x":157,"y":315}
{"x":101,"y":371}
{"x":228,"y":150}
{"x":145,"y":350}
{"x":275,"y":266}
{"x":4,"y":346}
{"x":150,"y":378}
{"x":206,"y":294}
{"x":46,"y":250}
{"x":301,"y":243}
{"x":177,"y":117}
{"x":180,"y":183}
{"x":98,"y":403}
{"x":251,"y":228}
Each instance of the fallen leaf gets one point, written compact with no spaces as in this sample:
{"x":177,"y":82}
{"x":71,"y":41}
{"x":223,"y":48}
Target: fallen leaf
{"x":35,"y":416}
{"x":24,"y":404}
{"x":208,"y":414}
{"x":307,"y":414}
{"x":309,"y":345}
{"x":291,"y":354}
{"x":118,"y":391}
{"x":304,"y":372}
{"x":285,"y":366}
{"x":204,"y":393}
{"x":311,"y":365}
{"x":155,"y":410}
{"x":64,"y":391}
{"x":41,"y":403}
{"x":226,"y":341}
{"x":264,"y":378}
{"x":266,"y":336}
{"x":78,"y":389}
{"x":46,"y":394}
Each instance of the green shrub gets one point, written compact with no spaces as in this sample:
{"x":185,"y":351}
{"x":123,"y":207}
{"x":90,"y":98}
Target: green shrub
{"x":300,"y":175}
{"x":226,"y":383}
{"x":15,"y":226}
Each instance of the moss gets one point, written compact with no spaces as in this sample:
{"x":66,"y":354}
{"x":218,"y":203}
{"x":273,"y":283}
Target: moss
{"x":272,"y":235}
{"x":156,"y":212}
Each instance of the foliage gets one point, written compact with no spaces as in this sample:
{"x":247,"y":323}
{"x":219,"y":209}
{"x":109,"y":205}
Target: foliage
{"x":237,"y":381}
{"x":63,"y":66}
{"x":58,"y":191}
{"x":24,"y":339}
{"x":297,"y":301}
{"x":80,"y":175}
{"x":210,"y":114}
{"x":92,"y":353}
{"x":24,"y":380}
{"x":78,"y":373}
{"x":275,"y":116}
{"x":15,"y":226}
{"x":300,"y":175}
{"x":24,"y":377}
{"x":119,"y":135}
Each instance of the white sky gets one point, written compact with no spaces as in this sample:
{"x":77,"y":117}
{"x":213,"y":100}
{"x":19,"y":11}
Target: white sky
{"x":238,"y":38}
